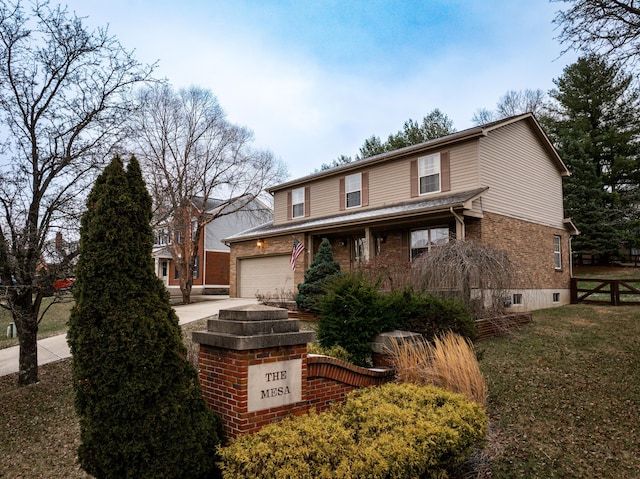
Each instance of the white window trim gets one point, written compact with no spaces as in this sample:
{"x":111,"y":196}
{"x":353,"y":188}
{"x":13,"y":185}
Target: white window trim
{"x":557,"y":252}
{"x":348,"y":188}
{"x":436,"y":171}
{"x":430,"y":241}
{"x":294,"y":193}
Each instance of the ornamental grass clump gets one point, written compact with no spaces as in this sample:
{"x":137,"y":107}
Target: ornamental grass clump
{"x":448,"y":362}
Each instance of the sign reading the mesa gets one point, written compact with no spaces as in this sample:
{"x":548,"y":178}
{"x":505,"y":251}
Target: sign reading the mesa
{"x":274,"y":384}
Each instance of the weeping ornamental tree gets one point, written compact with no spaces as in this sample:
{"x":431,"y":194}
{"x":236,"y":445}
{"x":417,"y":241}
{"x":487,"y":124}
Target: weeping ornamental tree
{"x":476,"y":274}
{"x":138,"y":398}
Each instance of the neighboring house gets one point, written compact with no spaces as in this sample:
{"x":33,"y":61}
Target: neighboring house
{"x":499,"y":184}
{"x":212,"y":263}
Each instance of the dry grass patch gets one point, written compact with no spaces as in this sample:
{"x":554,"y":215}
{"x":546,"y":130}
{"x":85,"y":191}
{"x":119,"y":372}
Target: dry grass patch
{"x":449,"y":362}
{"x":565,"y":394}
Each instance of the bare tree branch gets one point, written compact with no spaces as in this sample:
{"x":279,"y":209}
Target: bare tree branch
{"x":195,"y":158}
{"x":607,"y":27}
{"x":64,"y":96}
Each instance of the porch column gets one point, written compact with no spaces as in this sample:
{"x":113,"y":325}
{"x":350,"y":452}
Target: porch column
{"x":367,"y":244}
{"x":460,"y":229}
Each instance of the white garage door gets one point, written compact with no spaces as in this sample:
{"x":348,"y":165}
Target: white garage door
{"x":266,"y":275}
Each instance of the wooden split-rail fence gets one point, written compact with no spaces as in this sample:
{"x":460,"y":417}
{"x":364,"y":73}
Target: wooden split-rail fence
{"x":614,"y":292}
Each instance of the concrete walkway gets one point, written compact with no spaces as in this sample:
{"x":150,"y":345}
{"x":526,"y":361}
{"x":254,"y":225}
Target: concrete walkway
{"x":55,"y":348}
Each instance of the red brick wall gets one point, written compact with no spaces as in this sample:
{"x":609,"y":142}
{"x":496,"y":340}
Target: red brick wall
{"x":224,"y":379}
{"x":217,"y":272}
{"x":224,"y":382}
{"x":330,"y":380}
{"x":530,"y":248}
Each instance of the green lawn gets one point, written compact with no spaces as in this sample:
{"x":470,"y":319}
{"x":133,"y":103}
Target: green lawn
{"x":54,"y":320}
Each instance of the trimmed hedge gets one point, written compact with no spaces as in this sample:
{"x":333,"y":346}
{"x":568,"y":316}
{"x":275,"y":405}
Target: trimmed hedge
{"x":351,"y":316}
{"x":353,"y":311}
{"x":430,"y":315}
{"x":390,"y":431}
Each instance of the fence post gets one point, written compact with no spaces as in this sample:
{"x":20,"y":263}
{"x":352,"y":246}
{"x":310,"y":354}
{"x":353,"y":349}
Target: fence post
{"x":573,"y":295}
{"x":615,"y":292}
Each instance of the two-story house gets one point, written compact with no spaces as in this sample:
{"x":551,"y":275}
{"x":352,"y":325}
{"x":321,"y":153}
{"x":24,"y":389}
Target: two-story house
{"x":211,"y":272}
{"x":499,"y":184}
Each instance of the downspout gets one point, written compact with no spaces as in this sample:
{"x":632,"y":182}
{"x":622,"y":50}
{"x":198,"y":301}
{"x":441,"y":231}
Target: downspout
{"x":460,"y":221}
{"x":570,"y":257}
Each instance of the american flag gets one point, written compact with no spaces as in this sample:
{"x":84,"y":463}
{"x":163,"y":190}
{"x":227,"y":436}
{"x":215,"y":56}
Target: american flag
{"x":297,"y":250}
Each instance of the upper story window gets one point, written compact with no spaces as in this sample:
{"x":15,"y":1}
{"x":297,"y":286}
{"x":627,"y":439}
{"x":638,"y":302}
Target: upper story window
{"x":557,"y":252}
{"x":162,"y":237}
{"x":353,"y":190}
{"x":429,"y":174}
{"x":297,"y":203}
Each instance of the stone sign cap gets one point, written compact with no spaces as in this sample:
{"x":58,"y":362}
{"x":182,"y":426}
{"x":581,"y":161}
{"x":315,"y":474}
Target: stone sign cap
{"x":253,"y":327}
{"x":253,"y":312}
{"x":383,"y":342}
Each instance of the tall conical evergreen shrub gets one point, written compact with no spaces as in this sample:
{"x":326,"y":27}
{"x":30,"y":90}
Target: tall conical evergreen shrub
{"x":321,"y":269}
{"x":138,"y":398}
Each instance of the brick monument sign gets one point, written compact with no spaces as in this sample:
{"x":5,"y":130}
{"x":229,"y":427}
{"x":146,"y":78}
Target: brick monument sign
{"x":254,"y":369}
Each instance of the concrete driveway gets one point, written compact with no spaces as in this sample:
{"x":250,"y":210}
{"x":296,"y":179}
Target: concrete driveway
{"x":55,"y":348}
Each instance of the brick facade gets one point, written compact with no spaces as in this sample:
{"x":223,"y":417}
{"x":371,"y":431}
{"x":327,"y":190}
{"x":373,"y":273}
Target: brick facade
{"x":254,"y":369}
{"x":529,"y":245}
{"x":217,"y":268}
{"x":530,"y":248}
{"x":325,"y":381}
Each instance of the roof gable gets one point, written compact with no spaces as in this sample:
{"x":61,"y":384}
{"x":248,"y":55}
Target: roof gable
{"x":448,"y":140}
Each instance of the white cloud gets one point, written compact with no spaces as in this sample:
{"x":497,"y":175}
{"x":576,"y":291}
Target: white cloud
{"x":308,"y":112}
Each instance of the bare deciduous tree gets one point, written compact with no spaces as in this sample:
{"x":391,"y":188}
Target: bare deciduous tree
{"x":607,"y":27}
{"x":192,"y":154}
{"x":524,"y":101}
{"x":63,"y":97}
{"x":513,"y":103}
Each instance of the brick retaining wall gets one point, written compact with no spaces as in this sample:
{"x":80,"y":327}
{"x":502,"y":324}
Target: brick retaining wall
{"x":330,"y":380}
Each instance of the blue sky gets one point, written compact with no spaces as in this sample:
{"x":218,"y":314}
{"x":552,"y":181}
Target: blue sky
{"x":314,"y":79}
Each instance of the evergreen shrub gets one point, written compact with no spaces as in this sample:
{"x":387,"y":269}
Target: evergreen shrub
{"x":394,"y":430}
{"x":138,"y":398}
{"x":322,"y":269}
{"x":353,"y":312}
{"x":351,"y":316}
{"x":429,"y":315}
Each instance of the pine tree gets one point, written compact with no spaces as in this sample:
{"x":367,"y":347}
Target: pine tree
{"x":138,"y":398}
{"x":321,"y":270}
{"x":595,"y":123}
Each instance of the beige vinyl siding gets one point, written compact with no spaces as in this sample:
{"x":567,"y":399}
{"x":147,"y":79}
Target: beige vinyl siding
{"x":325,"y":197}
{"x":523,"y":181}
{"x":280,"y":207}
{"x":389,"y":183}
{"x":464,"y":167}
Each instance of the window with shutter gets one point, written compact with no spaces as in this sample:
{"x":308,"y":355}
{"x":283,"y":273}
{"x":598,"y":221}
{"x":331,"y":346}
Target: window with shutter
{"x":429,"y":174}
{"x":353,"y":190}
{"x":297,"y":203}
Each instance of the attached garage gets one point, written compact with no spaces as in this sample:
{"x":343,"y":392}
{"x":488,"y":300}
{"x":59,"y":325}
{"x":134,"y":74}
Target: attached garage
{"x":264,"y":275}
